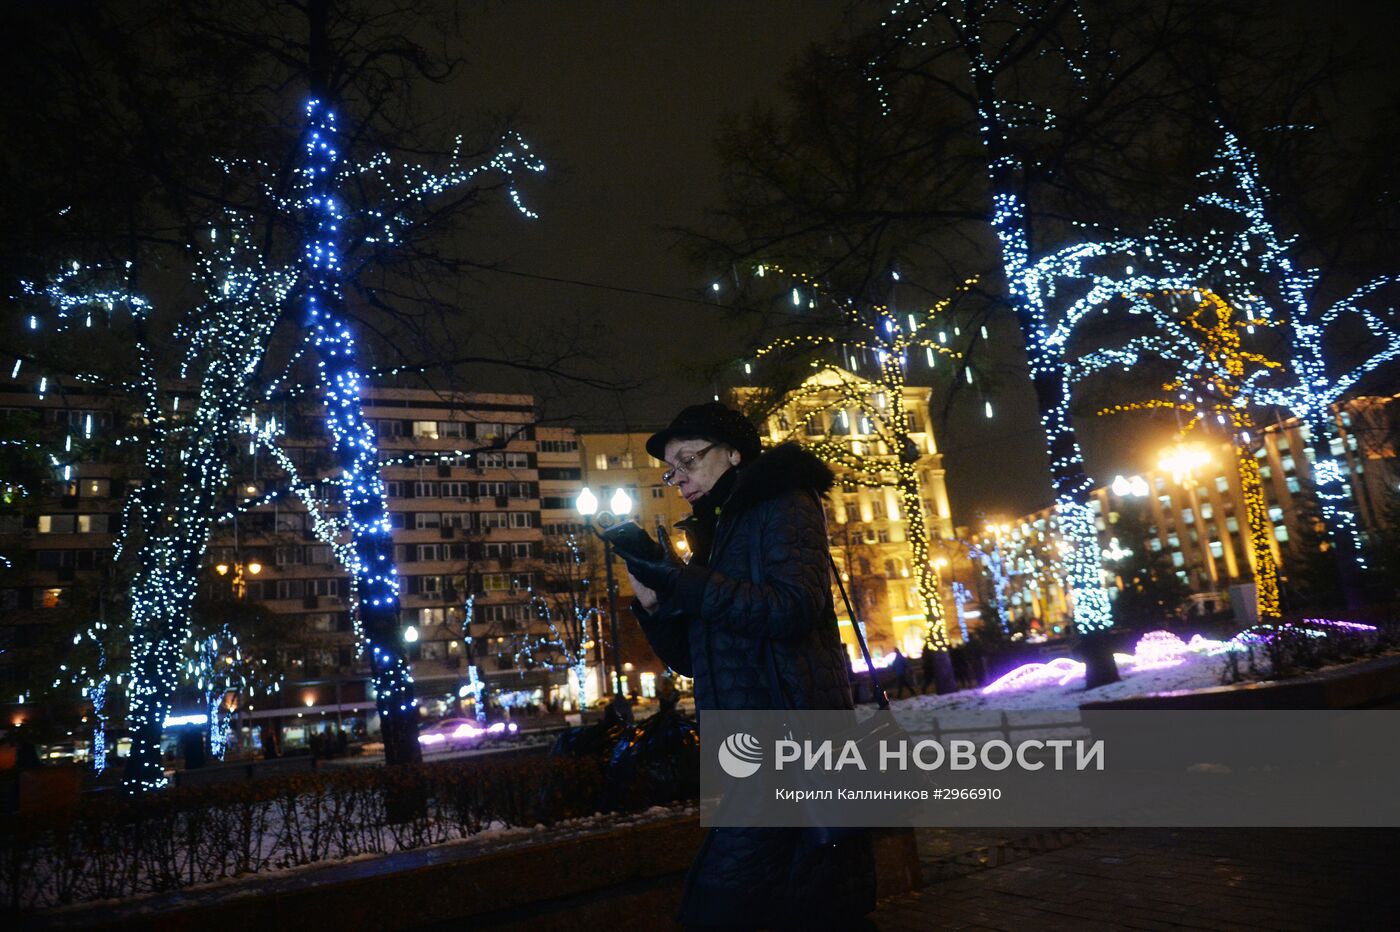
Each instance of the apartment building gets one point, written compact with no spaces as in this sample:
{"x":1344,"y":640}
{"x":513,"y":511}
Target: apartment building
{"x":1192,"y":511}
{"x":463,"y":480}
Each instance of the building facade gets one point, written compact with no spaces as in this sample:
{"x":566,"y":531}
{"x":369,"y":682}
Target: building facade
{"x":613,"y":461}
{"x":869,"y":532}
{"x":1191,"y":511}
{"x":474,"y":492}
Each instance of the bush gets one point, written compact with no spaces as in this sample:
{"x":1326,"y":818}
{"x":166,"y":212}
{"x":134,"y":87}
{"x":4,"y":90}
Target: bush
{"x":122,"y":847}
{"x":1304,"y":646}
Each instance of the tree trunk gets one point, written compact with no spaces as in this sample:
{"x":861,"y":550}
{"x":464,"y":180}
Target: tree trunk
{"x":1084,"y":566}
{"x":1336,"y":503}
{"x":1260,"y":527}
{"x":354,"y":445}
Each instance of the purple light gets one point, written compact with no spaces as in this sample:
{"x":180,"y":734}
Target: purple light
{"x":1348,"y":625}
{"x":1158,"y":649}
{"x":1058,"y":671}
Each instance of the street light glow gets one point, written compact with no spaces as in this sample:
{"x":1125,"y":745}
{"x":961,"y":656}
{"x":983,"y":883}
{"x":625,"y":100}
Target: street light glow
{"x":1129,"y":486}
{"x":621,"y":503}
{"x":586,"y":503}
{"x":1182,"y":460}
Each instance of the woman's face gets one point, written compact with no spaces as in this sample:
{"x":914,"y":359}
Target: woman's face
{"x":698,"y":464}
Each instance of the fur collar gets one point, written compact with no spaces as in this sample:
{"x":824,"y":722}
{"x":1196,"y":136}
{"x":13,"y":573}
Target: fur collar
{"x":782,"y":469}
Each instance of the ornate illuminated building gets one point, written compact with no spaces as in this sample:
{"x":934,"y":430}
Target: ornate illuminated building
{"x":869,"y":530}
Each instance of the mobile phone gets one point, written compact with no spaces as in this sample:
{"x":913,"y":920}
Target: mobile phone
{"x":663,"y":537}
{"x":630,"y":539}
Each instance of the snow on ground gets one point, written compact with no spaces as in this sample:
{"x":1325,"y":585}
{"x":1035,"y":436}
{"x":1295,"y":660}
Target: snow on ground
{"x":1194,"y":671}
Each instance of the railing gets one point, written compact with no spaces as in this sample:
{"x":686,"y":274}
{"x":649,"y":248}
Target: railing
{"x":116,"y":848}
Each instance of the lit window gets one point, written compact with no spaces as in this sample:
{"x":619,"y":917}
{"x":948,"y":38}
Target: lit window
{"x":56,"y":524}
{"x":92,"y":524}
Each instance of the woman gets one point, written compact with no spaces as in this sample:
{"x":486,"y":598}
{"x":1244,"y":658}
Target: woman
{"x":751,"y":620}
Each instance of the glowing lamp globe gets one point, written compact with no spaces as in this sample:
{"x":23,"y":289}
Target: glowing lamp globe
{"x":586,"y":503}
{"x":621,"y":503}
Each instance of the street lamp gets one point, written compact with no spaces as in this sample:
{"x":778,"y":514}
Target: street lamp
{"x":621,"y":505}
{"x":1183,"y":460}
{"x":1129,"y":486}
{"x":240,"y":587}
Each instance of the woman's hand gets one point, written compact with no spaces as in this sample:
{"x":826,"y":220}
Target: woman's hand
{"x":647,"y":597}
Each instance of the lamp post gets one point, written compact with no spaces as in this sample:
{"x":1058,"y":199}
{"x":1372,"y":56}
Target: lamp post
{"x":240,"y":586}
{"x":252,"y":567}
{"x":621,"y":508}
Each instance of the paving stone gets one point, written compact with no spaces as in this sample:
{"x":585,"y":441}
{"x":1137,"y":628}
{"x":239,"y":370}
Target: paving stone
{"x":1224,"y":880}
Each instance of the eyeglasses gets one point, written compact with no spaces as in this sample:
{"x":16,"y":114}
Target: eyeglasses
{"x":685,"y":464}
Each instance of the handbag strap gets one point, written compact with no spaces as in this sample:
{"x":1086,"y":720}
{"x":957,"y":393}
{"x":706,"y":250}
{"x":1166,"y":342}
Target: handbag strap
{"x":882,"y":699}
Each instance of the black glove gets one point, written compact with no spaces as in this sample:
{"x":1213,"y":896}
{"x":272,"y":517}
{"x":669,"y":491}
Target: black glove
{"x":660,"y":576}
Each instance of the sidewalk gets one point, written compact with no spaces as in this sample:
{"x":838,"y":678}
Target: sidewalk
{"x":1218,"y":879}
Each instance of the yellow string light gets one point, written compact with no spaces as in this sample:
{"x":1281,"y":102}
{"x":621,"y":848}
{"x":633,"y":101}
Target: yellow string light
{"x":883,"y":334}
{"x":1215,"y":388}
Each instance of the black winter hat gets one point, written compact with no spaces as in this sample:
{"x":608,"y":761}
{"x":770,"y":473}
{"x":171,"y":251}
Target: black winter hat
{"x":709,"y":421}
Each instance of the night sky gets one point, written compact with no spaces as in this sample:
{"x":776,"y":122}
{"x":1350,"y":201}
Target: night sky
{"x":623,"y":99}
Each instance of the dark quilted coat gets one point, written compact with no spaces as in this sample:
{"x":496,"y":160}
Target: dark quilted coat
{"x":756,"y":627}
